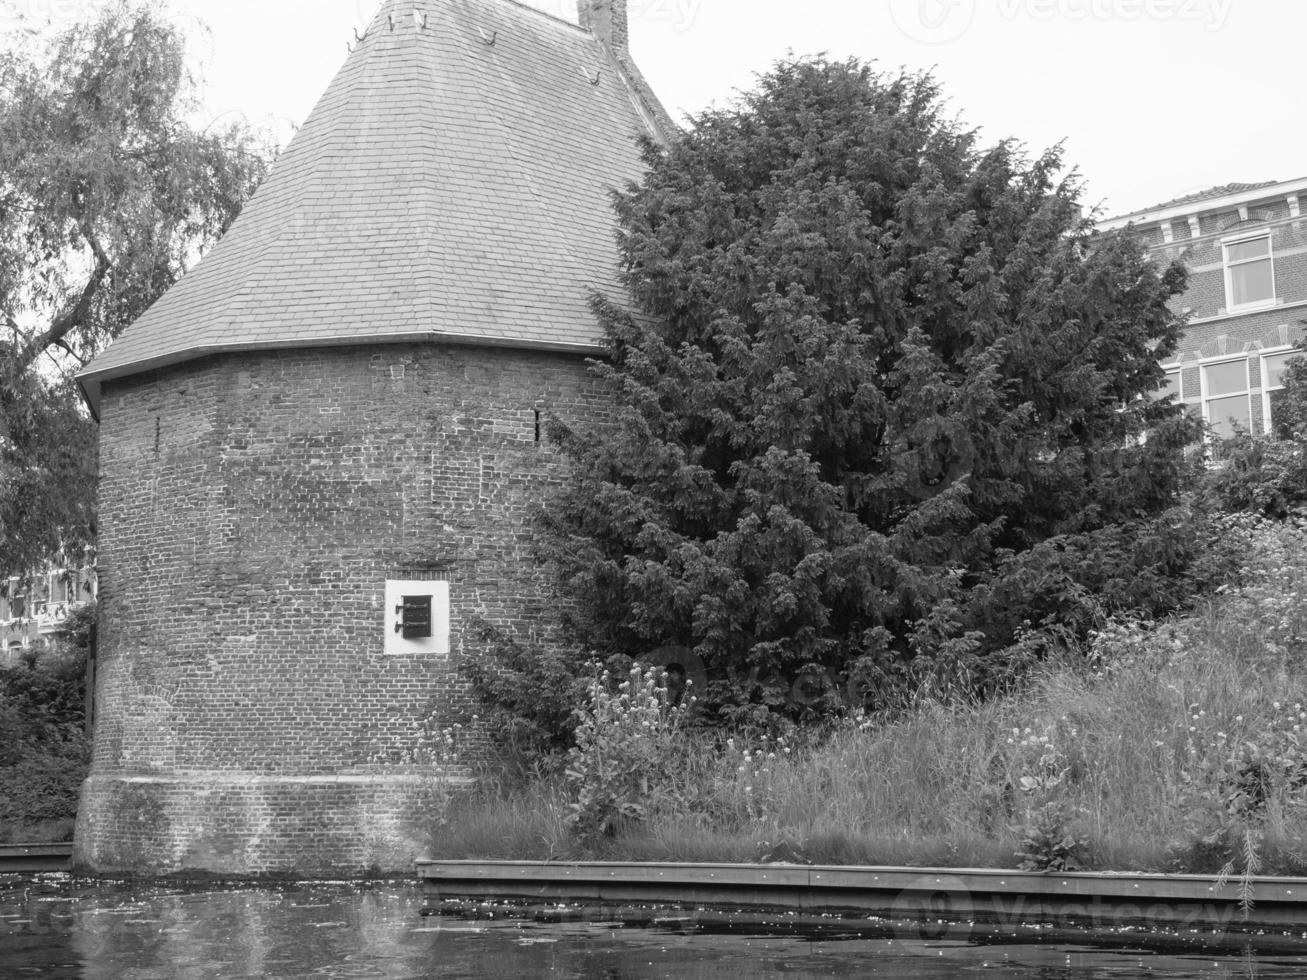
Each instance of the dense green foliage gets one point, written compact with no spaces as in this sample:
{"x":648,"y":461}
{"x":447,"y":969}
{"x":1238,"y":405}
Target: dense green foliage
{"x":1289,"y":404}
{"x":528,"y":693}
{"x":107,"y":193}
{"x":47,"y":468}
{"x":1175,"y":745}
{"x":44,"y":751}
{"x":628,"y":751}
{"x":1266,"y":475}
{"x":880,"y":406}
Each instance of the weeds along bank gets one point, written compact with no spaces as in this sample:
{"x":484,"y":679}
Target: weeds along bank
{"x":1176,"y":746}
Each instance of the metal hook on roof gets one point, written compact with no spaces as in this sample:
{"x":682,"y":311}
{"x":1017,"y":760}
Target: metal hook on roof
{"x":490,"y":39}
{"x":358,"y":38}
{"x":591,"y":76}
{"x":420,"y":18}
{"x":390,"y":19}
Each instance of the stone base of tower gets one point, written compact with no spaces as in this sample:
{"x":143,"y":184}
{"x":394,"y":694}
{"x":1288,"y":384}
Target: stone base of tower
{"x":250,"y":824}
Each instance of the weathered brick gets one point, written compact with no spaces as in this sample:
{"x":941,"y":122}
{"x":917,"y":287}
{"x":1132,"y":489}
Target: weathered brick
{"x":247,"y":538}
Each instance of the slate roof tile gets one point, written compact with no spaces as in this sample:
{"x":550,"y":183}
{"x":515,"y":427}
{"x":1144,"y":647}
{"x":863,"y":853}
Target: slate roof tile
{"x":442,"y":186}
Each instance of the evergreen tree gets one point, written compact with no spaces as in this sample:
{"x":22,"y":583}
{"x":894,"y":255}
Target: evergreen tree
{"x":880,"y":390}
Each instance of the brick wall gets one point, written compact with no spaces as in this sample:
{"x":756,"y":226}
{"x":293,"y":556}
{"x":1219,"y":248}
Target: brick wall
{"x":252,"y":509}
{"x":1205,"y":260}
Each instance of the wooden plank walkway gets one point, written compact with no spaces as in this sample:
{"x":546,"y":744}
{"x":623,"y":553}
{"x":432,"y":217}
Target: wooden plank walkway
{"x":35,"y":858}
{"x":1005,"y":897}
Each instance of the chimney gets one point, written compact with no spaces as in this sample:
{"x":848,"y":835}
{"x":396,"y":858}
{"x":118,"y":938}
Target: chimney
{"x":606,"y":20}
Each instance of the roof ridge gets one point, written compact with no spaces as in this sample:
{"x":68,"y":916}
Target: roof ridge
{"x":1207,"y":194}
{"x":520,"y":4}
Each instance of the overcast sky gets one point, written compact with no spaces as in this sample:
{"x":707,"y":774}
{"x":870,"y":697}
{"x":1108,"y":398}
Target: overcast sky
{"x":1154,"y":98}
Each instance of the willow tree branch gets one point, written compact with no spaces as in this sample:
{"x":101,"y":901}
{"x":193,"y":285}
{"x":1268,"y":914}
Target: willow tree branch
{"x":75,"y":317}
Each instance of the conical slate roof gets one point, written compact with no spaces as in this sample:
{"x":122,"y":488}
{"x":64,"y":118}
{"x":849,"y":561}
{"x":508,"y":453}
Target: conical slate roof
{"x":452,"y":184}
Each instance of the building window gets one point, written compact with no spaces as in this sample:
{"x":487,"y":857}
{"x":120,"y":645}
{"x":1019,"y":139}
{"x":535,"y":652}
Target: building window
{"x":1226,"y":404}
{"x":1249,"y":273}
{"x":1171,"y":383}
{"x":1273,"y":384}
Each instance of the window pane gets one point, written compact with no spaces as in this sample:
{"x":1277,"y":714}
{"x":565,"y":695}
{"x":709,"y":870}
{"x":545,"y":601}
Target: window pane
{"x":1252,"y":282}
{"x":1171,"y":385}
{"x":1255,"y":249}
{"x":1279,"y":423}
{"x":1227,"y":378}
{"x":1225,"y":413}
{"x":1275,"y":367}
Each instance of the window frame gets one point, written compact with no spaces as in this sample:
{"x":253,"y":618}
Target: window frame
{"x":1176,"y":368}
{"x":1267,"y":389}
{"x":1227,"y":266}
{"x":1205,"y":395}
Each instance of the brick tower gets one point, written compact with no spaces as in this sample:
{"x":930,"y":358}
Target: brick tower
{"x":320,"y":450}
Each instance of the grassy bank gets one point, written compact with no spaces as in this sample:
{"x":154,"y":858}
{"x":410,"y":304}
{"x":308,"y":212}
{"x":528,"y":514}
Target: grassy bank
{"x":1175,"y":746}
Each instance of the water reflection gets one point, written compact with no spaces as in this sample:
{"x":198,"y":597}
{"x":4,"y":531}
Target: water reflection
{"x":52,"y":927}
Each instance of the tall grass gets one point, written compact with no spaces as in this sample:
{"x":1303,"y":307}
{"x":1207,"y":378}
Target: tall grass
{"x":1162,"y":746}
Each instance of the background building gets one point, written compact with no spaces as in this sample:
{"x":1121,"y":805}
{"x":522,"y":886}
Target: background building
{"x":33,"y":606}
{"x":1245,"y":246}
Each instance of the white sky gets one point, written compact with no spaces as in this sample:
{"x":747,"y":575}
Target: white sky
{"x":1154,"y":98}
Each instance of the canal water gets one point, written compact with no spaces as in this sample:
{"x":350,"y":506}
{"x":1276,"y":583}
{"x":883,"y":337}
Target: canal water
{"x":52,"y":926}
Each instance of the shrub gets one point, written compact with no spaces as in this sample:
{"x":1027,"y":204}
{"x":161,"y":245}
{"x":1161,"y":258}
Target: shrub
{"x":1259,"y":476}
{"x":49,"y":694}
{"x":627,"y":750}
{"x":527,"y":694}
{"x":1289,"y":404}
{"x":39,"y":790}
{"x":43,"y":749}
